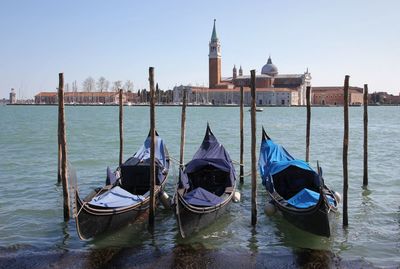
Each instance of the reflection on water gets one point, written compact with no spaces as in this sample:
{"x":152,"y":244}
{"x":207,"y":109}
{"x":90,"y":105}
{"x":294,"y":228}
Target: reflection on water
{"x":297,"y":238}
{"x":253,"y":242}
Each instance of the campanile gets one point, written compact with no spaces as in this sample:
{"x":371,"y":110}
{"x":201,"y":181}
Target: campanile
{"x":214,"y":60}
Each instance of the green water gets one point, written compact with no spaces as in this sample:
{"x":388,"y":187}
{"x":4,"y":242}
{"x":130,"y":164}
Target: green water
{"x":31,"y":218}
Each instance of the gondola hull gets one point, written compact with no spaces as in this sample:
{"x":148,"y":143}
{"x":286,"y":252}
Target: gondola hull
{"x":314,"y":220}
{"x":92,"y":221}
{"x":192,"y":219}
{"x":126,"y":195}
{"x":295,"y":189}
{"x":205,"y":188}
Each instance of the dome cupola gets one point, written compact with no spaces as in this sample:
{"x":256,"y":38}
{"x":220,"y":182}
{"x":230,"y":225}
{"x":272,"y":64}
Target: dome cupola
{"x":269,"y":68}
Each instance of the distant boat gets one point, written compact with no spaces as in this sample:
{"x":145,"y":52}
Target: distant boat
{"x":206,"y":187}
{"x":295,"y":189}
{"x":126,"y":194}
{"x":258,"y":109}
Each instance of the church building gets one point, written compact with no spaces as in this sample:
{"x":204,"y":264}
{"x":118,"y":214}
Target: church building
{"x":272,"y":88}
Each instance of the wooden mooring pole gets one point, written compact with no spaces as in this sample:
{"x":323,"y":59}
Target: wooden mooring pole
{"x":121,"y":129}
{"x":308,"y":97}
{"x":365,"y":177}
{"x":63,"y":145}
{"x":241,"y":135}
{"x":253,"y":150}
{"x":183,"y":126}
{"x":152,"y":148}
{"x":59,"y":177}
{"x":345,"y":150}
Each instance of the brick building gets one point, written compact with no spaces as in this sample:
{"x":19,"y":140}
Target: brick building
{"x":85,"y":97}
{"x":334,"y":96}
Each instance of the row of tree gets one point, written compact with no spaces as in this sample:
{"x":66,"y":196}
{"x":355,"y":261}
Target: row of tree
{"x":101,"y":85}
{"x":162,"y":97}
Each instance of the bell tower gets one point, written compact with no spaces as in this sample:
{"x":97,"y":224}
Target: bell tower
{"x":214,"y":60}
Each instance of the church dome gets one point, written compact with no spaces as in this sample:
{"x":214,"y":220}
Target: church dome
{"x":269,"y":68}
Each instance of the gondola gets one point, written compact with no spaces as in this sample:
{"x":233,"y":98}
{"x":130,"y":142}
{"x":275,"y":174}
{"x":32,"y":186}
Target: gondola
{"x":126,"y":194}
{"x":205,"y":187}
{"x":295,"y":189}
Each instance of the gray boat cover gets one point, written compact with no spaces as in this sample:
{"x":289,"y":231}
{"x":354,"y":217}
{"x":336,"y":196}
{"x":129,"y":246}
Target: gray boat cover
{"x":202,"y":197}
{"x":210,"y":153}
{"x":116,"y":197}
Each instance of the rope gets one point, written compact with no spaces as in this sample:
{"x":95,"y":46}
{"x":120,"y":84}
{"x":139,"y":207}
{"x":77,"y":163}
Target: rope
{"x":175,"y":161}
{"x":247,"y":174}
{"x":237,"y":163}
{"x":85,"y":203}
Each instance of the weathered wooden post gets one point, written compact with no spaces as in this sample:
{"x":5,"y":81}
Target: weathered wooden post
{"x":241,"y":135}
{"x":253,"y":150}
{"x":308,"y":97}
{"x":63,"y":145}
{"x":121,"y":129}
{"x":365,"y":177}
{"x":152,"y":147}
{"x":345,"y":149}
{"x":183,"y":126}
{"x":59,"y":177}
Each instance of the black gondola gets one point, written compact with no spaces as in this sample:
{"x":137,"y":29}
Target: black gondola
{"x":126,"y":194}
{"x":205,"y":188}
{"x":295,"y":189}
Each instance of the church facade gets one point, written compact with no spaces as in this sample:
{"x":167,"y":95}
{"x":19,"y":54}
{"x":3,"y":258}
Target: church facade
{"x":272,"y":88}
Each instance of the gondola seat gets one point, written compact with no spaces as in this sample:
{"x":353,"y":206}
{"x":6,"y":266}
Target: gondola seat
{"x":211,"y":179}
{"x":136,"y":178}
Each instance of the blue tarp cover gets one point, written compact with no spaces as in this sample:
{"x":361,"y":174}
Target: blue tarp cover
{"x":116,"y":197}
{"x":274,"y":158}
{"x":201,"y":197}
{"x":306,"y":198}
{"x":142,"y":156}
{"x":211,"y":152}
{"x":144,"y":152}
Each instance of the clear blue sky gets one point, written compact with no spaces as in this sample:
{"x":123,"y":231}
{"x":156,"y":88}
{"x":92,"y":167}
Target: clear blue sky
{"x":121,"y":39}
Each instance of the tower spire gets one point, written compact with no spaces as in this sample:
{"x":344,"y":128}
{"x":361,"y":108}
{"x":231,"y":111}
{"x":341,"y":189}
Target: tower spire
{"x":214,"y":37}
{"x":269,"y":60}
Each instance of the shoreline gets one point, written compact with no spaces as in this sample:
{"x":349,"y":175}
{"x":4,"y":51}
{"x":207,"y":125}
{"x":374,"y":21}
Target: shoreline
{"x":193,"y":105}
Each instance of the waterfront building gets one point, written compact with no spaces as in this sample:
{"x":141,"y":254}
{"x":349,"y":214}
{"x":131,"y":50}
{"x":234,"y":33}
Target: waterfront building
{"x":85,"y":97}
{"x":334,"y":96}
{"x":272,"y":88}
{"x":384,"y":98}
{"x":264,"y":96}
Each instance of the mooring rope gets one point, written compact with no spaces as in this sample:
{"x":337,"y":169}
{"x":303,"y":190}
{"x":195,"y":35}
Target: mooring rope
{"x":86,"y":202}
